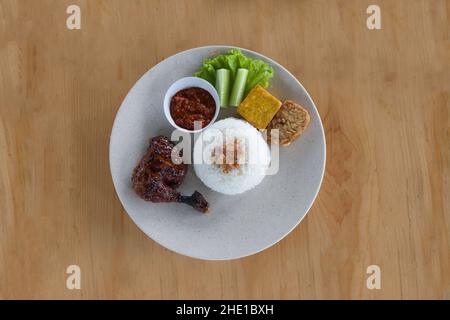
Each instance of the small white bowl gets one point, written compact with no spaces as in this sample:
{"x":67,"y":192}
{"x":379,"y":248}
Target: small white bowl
{"x":185,"y":83}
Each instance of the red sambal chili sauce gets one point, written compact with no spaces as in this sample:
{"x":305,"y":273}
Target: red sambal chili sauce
{"x":190,"y":105}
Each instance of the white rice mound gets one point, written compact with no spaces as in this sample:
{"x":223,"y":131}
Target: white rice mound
{"x":254,"y":163}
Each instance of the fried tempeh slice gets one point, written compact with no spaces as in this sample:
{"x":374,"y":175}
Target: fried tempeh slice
{"x":291,"y":120}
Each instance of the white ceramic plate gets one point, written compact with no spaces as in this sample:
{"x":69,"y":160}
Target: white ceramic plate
{"x":236,"y":226}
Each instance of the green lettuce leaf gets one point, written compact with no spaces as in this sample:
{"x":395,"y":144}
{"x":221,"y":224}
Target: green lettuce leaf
{"x":259,"y":72}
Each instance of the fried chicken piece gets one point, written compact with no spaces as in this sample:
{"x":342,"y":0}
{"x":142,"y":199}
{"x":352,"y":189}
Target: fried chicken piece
{"x":156,"y":177}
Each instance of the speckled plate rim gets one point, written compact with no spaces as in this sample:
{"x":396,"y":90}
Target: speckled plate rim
{"x":219,"y":48}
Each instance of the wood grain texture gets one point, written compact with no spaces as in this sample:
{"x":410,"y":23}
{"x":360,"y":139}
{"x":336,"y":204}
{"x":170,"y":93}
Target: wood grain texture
{"x":383,"y":96}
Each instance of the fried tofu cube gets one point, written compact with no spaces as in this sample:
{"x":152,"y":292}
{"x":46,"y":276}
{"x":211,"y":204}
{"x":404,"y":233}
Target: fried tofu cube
{"x":259,"y":107}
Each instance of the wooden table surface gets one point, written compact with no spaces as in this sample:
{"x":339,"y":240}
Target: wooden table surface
{"x":383,"y":96}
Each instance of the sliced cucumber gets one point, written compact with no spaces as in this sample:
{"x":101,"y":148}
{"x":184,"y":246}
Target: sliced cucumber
{"x":237,"y":92}
{"x":223,"y":85}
